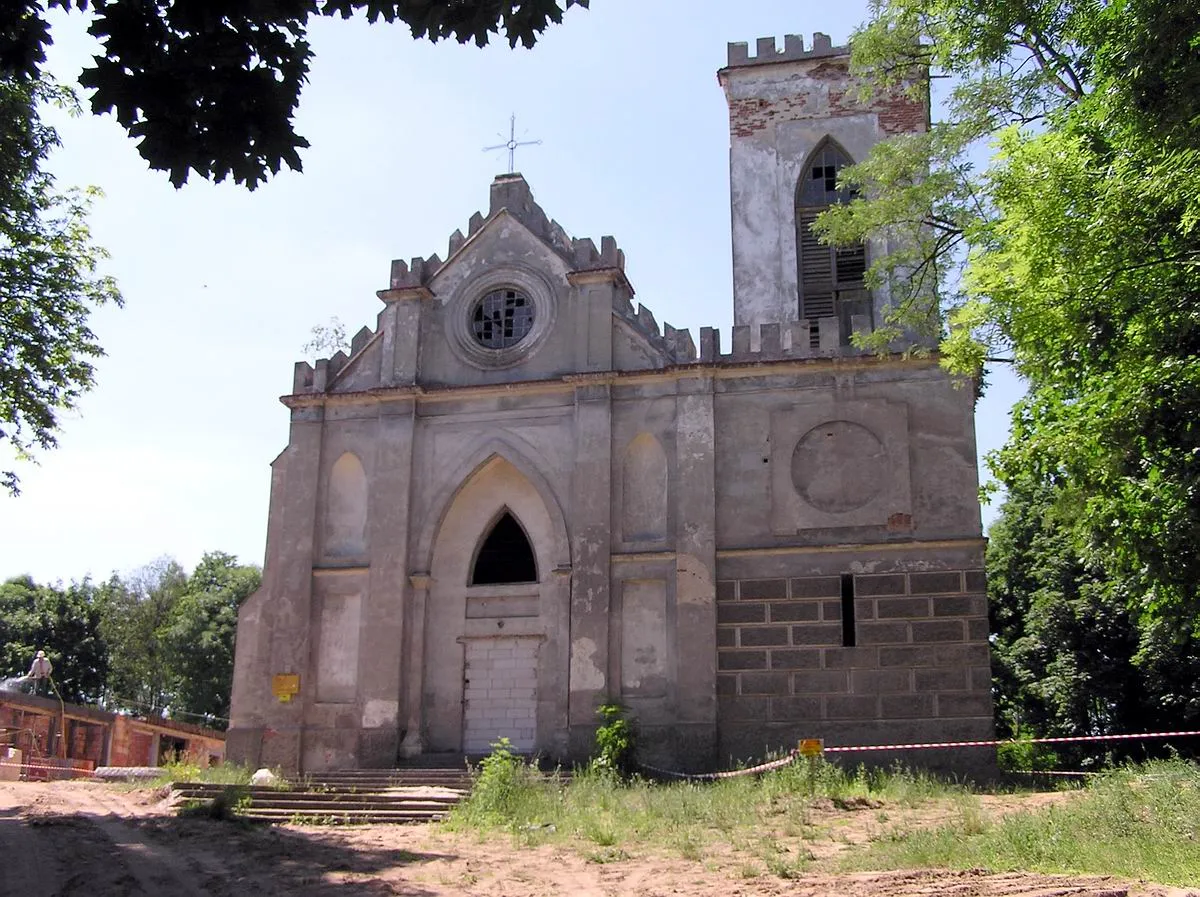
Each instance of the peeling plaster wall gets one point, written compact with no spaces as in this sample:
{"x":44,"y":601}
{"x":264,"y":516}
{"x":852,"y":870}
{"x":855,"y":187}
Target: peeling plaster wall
{"x":718,"y":624}
{"x":920,"y":413}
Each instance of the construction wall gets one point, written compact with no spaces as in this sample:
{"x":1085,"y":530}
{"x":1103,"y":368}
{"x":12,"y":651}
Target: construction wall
{"x":100,"y":738}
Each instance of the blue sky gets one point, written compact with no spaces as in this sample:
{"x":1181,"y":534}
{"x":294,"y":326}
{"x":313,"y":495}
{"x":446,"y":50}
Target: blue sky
{"x":169,"y":454}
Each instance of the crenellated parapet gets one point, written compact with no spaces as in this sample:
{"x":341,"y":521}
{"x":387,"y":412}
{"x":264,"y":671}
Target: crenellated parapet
{"x":675,"y":344}
{"x":680,"y":344}
{"x":414,"y":274}
{"x":511,"y":193}
{"x":585,"y":257}
{"x":410,"y":284}
{"x":819,"y":338}
{"x":767,"y":51}
{"x":319,"y":376}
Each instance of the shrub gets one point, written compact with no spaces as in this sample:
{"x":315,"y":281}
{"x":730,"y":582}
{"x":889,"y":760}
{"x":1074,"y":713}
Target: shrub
{"x":1022,"y":754}
{"x":501,"y":788}
{"x":614,"y":742}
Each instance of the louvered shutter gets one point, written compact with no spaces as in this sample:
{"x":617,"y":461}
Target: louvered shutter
{"x":850,"y":263}
{"x":816,"y":270}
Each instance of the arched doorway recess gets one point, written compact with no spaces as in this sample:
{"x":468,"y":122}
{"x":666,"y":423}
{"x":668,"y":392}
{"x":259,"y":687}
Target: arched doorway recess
{"x":496,"y":617}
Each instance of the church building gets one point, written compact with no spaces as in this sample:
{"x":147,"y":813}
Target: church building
{"x":519,"y":497}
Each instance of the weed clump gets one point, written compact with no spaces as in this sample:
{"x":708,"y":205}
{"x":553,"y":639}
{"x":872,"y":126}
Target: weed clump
{"x":221,"y":774}
{"x":508,"y":791}
{"x":614,"y":742}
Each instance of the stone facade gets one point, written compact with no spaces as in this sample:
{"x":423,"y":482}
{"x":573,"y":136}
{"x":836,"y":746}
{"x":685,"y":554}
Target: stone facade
{"x":744,"y":548}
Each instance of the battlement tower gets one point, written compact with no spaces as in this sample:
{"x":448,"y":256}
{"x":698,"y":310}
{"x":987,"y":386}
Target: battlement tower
{"x":794,"y":121}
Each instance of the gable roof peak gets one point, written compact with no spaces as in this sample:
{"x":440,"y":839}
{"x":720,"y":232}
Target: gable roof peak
{"x":510,"y":194}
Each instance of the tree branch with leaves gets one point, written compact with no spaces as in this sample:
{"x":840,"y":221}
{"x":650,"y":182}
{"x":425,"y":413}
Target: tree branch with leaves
{"x":212,"y":87}
{"x":50,"y":278}
{"x":1073,"y":250}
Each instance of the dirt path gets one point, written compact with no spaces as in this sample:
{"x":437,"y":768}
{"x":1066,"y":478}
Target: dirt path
{"x":75,"y":838}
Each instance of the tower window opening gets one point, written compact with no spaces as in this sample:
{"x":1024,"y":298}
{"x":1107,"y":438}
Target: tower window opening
{"x":505,"y":555}
{"x":828,"y":276}
{"x":827,"y":174}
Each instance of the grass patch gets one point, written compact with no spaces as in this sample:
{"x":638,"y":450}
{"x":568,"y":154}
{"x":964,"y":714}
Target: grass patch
{"x":604,"y":816}
{"x":1137,"y":822}
{"x":222,"y":774}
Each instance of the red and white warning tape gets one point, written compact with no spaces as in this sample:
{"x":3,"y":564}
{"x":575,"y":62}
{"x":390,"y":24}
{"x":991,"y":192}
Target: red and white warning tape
{"x":61,"y":769}
{"x":953,"y":744}
{"x":791,"y":756}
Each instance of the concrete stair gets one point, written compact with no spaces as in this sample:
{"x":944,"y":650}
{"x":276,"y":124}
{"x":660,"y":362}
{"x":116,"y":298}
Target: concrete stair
{"x":359,"y":796}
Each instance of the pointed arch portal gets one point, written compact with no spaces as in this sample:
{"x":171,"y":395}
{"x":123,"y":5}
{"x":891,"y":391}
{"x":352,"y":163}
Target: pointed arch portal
{"x":490,"y":668}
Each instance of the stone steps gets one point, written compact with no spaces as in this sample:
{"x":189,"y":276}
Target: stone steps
{"x":340,"y":817}
{"x":316,"y":800}
{"x":347,"y":796}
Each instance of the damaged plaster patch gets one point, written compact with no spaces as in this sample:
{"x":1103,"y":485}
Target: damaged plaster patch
{"x":863,"y":567}
{"x":694,"y":584}
{"x":377,"y":714}
{"x":585,"y":675}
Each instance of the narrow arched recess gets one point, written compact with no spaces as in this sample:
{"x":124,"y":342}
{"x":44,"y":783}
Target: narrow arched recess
{"x":346,"y":508}
{"x":644,"y":491}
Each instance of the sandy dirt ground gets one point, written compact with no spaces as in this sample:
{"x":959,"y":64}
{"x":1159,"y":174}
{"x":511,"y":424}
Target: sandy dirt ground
{"x":78,"y":838}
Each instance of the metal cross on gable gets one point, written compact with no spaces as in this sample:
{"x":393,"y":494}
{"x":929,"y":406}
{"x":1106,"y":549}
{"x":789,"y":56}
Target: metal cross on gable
{"x":512,"y":143}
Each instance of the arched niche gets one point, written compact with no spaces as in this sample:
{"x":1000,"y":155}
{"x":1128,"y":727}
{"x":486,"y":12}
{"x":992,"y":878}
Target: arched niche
{"x":346,"y":508}
{"x":644,"y":491}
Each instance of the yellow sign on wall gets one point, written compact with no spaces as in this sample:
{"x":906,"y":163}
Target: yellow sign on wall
{"x":285,"y":685}
{"x":811,"y":747}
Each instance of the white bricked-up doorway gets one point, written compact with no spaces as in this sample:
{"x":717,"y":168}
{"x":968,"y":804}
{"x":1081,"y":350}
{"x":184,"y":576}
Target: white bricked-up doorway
{"x":499,"y":693}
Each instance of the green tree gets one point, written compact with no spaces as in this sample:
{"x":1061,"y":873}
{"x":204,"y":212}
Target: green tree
{"x":65,"y":623}
{"x":1063,"y":650}
{"x":49,"y":279}
{"x":201,"y":634}
{"x":138,"y":613}
{"x":1072,"y":653}
{"x":1075,"y":251}
{"x":153,"y":640}
{"x":212,"y":87}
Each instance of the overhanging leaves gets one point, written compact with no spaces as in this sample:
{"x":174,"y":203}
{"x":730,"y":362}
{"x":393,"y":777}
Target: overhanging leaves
{"x":212,"y":86}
